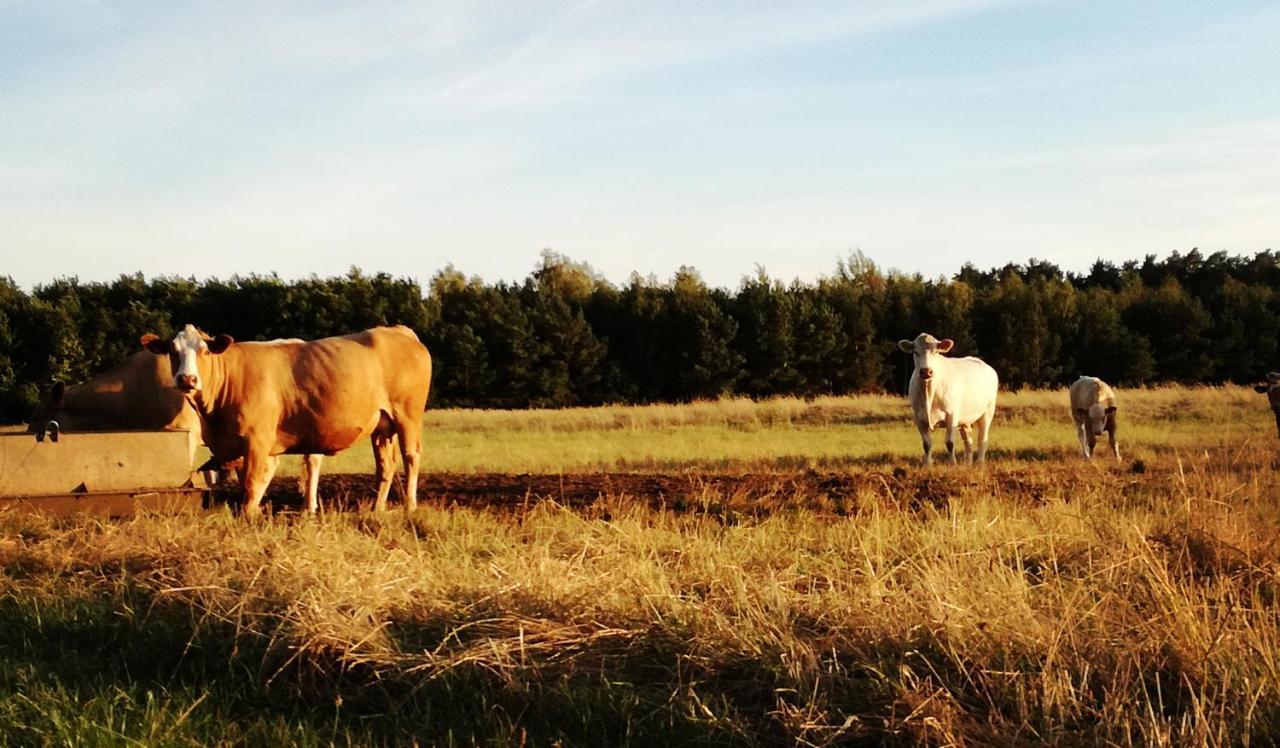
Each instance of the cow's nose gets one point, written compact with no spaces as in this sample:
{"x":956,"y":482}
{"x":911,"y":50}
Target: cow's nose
{"x":186,"y":381}
{"x":926,"y":374}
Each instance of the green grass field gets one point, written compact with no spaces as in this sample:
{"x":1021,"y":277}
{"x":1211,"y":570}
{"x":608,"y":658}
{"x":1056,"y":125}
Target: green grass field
{"x":1040,"y":599}
{"x":832,"y":433}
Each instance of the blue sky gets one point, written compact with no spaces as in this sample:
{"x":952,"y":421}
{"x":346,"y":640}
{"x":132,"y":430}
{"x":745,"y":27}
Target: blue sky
{"x":216,"y":138}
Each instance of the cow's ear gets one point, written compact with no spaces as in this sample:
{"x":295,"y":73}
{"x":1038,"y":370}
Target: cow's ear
{"x":906,"y":346}
{"x":58,"y":392}
{"x":221,"y":343}
{"x":1261,"y":389}
{"x":156,"y":344}
{"x":1111,"y":409}
{"x":945,"y":345}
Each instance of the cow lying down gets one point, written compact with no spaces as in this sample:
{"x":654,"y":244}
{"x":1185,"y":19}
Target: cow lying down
{"x":136,"y":393}
{"x":259,"y":400}
{"x":1093,"y":408}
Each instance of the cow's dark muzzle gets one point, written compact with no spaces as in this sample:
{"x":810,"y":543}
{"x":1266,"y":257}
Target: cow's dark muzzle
{"x":926,"y":374}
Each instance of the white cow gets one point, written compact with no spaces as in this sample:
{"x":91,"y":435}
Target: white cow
{"x":1272,"y":390}
{"x":958,"y":393}
{"x":1093,"y":408}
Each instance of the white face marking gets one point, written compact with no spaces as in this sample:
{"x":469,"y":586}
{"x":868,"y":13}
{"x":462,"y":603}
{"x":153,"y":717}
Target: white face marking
{"x":926,"y":353}
{"x":188,"y":346}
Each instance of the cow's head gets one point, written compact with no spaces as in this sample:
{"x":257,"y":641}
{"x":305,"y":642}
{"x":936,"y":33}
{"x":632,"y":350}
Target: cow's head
{"x":927,"y":350}
{"x":1271,"y":386}
{"x":1097,"y":416}
{"x":188,"y":352}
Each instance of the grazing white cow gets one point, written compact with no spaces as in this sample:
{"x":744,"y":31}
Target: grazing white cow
{"x":1272,"y":390}
{"x":958,"y":393}
{"x":261,"y":400}
{"x":1093,"y":408}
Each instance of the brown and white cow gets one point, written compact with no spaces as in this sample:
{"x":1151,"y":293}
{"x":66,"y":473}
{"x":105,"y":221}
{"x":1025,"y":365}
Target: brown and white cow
{"x":260,"y":400}
{"x":137,"y":393}
{"x":1093,"y":408}
{"x":958,"y":393}
{"x":1272,"y":390}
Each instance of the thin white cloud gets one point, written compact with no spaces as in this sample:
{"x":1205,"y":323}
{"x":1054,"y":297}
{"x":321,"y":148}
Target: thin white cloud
{"x":593,"y":41}
{"x":522,"y":52}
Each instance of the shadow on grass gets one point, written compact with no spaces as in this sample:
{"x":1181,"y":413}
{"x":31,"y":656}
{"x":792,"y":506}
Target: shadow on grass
{"x":124,"y":668}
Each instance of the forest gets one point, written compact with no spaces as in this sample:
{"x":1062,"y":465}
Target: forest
{"x":567,"y":336}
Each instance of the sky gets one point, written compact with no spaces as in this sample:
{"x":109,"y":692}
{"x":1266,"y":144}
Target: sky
{"x":209,"y":139}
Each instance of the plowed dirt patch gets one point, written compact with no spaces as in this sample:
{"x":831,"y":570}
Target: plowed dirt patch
{"x":835,"y":493}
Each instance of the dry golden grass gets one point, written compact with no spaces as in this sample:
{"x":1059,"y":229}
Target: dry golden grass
{"x":1046,"y":599}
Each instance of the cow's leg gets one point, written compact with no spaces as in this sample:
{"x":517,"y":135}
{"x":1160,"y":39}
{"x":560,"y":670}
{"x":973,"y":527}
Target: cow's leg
{"x":983,"y":432}
{"x":310,"y":481}
{"x":926,"y":440}
{"x":1115,"y":445}
{"x":1276,"y":411}
{"x":951,"y":438}
{"x":384,"y":460}
{"x":411,"y":450}
{"x":1092,"y":442}
{"x":258,"y":469}
{"x":968,"y":444}
{"x":1084,"y":440}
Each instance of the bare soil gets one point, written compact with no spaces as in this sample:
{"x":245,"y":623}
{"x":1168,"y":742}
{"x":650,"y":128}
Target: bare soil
{"x":842,"y":493}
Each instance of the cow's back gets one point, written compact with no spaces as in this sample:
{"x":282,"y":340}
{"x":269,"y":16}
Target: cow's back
{"x":1089,"y":391}
{"x":385,"y":365}
{"x":975,"y":385}
{"x":966,"y":389}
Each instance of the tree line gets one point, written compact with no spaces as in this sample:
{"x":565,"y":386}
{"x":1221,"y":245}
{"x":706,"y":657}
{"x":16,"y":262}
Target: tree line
{"x":567,"y":336}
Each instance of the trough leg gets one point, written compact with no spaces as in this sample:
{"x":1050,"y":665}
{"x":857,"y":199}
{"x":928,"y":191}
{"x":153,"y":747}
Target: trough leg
{"x":311,"y":481}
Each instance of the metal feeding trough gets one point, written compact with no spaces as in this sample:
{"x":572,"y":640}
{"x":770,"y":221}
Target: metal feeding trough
{"x":106,"y":473}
